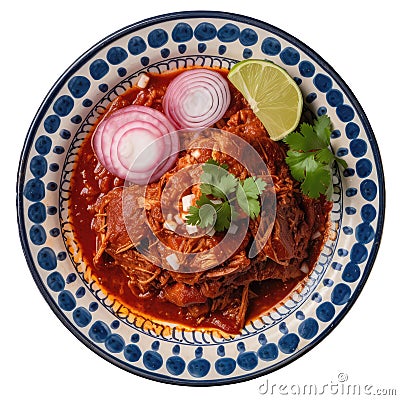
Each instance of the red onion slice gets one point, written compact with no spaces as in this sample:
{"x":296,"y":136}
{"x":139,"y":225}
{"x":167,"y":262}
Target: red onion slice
{"x":135,"y":143}
{"x":196,"y":98}
{"x":135,"y":147}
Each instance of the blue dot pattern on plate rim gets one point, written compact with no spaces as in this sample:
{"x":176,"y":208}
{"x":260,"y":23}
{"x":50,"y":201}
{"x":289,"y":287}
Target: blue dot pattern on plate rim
{"x":262,"y":345}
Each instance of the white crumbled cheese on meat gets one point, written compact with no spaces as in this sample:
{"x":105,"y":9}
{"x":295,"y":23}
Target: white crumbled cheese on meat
{"x":304,"y":268}
{"x":170,"y":225}
{"x":173,"y":261}
{"x":187,"y":202}
{"x":196,"y":153}
{"x":191,"y":229}
{"x":143,"y":81}
{"x":232,"y":229}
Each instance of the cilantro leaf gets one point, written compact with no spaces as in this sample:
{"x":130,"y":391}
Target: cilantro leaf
{"x":207,"y":215}
{"x":213,"y":171}
{"x":227,"y":184}
{"x":203,"y":200}
{"x":212,"y":189}
{"x":193,"y":217}
{"x":341,"y":162}
{"x":213,"y":162}
{"x":216,"y":180}
{"x":207,"y":188}
{"x":310,"y":159}
{"x":317,"y":181}
{"x":305,"y":140}
{"x":299,"y":163}
{"x":253,"y":187}
{"x":247,"y":196}
{"x":254,"y":208}
{"x":223,"y":220}
{"x":219,"y":183}
{"x":261,"y":185}
{"x":324,"y":156}
{"x":241,"y":198}
{"x":322,"y":128}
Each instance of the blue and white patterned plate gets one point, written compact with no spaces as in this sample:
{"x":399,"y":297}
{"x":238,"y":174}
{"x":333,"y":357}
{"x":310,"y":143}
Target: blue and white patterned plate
{"x":160,"y":351}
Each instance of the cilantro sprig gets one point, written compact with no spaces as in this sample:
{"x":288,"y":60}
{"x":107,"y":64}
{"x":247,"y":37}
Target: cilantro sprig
{"x":310,"y":159}
{"x":221,"y":195}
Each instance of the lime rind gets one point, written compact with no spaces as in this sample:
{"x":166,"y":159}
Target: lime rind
{"x":272,"y":94}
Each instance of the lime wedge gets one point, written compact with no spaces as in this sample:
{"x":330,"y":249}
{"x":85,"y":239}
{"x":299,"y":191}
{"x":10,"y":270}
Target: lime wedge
{"x":272,"y":94}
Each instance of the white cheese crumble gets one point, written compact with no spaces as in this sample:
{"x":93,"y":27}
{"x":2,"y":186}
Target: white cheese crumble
{"x":143,"y":81}
{"x":191,"y":229}
{"x":187,"y":202}
{"x":232,"y":229}
{"x":172,"y":260}
{"x":170,"y":225}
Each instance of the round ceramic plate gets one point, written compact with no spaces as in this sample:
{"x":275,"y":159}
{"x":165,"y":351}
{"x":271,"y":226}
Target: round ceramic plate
{"x":160,"y":351}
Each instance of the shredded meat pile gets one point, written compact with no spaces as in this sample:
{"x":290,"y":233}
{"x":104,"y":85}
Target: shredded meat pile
{"x":298,"y":232}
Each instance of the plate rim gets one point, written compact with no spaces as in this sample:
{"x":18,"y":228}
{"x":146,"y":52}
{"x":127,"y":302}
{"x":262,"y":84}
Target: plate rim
{"x":47,"y":102}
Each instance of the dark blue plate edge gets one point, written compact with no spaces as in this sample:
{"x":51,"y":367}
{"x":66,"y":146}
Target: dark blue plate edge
{"x":43,"y":109}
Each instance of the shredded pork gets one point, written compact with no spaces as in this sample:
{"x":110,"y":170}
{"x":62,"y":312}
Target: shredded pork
{"x":224,"y":288}
{"x":299,"y":228}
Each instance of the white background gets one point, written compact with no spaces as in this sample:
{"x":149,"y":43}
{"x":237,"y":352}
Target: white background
{"x":40,"y":358}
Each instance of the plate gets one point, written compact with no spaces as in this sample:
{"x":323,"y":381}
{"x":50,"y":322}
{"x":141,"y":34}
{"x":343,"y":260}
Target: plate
{"x":165,"y":353}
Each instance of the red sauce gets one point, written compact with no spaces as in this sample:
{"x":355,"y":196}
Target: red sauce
{"x":111,"y":278}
